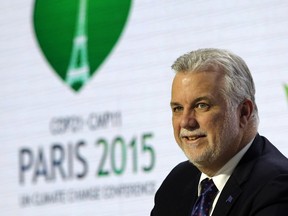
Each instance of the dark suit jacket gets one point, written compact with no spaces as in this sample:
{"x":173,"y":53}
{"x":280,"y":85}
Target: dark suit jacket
{"x":258,"y":186}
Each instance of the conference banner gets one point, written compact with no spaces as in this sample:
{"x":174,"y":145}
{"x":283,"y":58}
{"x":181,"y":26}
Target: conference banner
{"x":85,"y":116}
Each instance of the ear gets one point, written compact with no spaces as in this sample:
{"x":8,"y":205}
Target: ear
{"x":246,"y":109}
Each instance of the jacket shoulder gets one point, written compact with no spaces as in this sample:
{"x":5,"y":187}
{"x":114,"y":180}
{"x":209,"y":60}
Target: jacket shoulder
{"x":175,"y":195}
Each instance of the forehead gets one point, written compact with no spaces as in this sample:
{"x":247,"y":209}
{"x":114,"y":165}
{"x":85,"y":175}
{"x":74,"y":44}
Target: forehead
{"x":197,"y":84}
{"x":191,"y":79}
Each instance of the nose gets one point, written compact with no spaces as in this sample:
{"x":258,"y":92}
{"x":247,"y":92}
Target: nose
{"x":188,"y":121}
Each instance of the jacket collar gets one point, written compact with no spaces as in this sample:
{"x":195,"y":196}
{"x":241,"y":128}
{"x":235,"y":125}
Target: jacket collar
{"x":233,"y":189}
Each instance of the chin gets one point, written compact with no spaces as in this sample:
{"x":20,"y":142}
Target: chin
{"x":203,"y":161}
{"x":197,"y":164}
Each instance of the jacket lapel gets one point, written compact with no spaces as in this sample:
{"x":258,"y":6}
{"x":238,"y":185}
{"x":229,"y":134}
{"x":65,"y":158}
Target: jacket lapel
{"x":189,"y":197}
{"x":229,"y":195}
{"x":240,"y":175}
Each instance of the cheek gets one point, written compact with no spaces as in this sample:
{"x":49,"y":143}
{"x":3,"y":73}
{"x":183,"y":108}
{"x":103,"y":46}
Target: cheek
{"x":175,"y":123}
{"x":176,"y":128}
{"x":209,"y":122}
{"x":212,"y":125}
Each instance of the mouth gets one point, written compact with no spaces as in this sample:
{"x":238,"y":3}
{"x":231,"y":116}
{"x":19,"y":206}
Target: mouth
{"x":192,"y":137}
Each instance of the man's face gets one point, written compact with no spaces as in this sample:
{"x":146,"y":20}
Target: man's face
{"x":205,"y":126}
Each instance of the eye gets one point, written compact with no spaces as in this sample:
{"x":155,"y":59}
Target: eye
{"x":202,"y":106}
{"x":176,"y":109}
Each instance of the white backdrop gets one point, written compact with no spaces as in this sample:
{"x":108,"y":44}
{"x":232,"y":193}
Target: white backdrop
{"x":45,"y":173}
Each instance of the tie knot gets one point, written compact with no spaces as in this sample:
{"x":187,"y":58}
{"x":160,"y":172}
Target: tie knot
{"x":207,"y":185}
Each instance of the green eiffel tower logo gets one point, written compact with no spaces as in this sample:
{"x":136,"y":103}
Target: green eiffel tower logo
{"x":77,"y":36}
{"x":78,"y":69}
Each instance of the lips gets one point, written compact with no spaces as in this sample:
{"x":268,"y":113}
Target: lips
{"x":192,"y":137}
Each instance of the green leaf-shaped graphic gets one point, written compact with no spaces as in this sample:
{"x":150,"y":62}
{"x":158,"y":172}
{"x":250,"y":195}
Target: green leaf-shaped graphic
{"x":286,"y":89}
{"x":76,"y":36}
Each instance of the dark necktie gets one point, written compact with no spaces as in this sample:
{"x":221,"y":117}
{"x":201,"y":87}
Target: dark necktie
{"x":204,"y":202}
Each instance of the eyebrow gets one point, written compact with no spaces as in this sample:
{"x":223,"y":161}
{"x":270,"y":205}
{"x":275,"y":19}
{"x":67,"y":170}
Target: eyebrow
{"x":172,"y":104}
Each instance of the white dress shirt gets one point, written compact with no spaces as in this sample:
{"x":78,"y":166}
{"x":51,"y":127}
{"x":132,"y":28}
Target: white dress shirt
{"x":222,"y":176}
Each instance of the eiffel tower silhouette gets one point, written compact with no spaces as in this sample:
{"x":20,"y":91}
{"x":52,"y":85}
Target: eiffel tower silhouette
{"x":78,"y":68}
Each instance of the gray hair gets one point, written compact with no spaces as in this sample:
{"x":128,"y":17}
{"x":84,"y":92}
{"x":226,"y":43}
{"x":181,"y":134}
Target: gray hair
{"x":239,"y":84}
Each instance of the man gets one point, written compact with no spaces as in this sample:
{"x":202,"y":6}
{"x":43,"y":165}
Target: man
{"x":215,"y":123}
